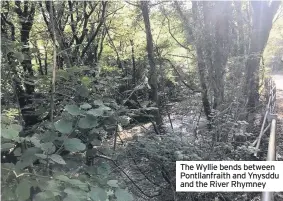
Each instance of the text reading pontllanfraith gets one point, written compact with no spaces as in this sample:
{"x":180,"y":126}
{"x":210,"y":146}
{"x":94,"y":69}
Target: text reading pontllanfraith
{"x":193,"y":176}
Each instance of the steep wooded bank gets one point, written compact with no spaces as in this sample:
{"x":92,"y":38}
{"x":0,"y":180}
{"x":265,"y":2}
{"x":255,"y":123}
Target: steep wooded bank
{"x":99,"y":99}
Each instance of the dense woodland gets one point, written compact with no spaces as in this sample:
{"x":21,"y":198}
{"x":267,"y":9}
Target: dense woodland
{"x":100,"y":98}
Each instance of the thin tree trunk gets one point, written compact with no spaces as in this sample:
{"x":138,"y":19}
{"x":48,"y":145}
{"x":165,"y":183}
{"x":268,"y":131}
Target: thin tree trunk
{"x":134,"y":64}
{"x":54,"y":66}
{"x":201,"y":64}
{"x":221,"y":51}
{"x":150,"y":54}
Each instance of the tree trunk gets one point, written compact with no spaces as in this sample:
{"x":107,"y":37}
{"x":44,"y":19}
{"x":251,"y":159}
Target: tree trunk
{"x":150,"y":54}
{"x":134,"y":64}
{"x":201,"y":62}
{"x":221,"y":51}
{"x":25,"y":97}
{"x":262,"y":18}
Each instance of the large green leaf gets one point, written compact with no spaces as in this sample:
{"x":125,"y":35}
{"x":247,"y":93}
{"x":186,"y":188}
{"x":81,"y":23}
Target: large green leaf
{"x":44,"y":196}
{"x":42,"y":156}
{"x":73,"y":110}
{"x":82,"y":91}
{"x":75,"y":191}
{"x":98,"y":102}
{"x":98,"y":194}
{"x":104,"y":107}
{"x":28,"y":157}
{"x":48,"y":147}
{"x":62,"y":178}
{"x":74,"y":145}
{"x":7,"y":146}
{"x":79,"y":184}
{"x":72,"y":198}
{"x":23,"y":189}
{"x":96,"y":112}
{"x":123,"y":195}
{"x":64,"y":126}
{"x":35,"y":141}
{"x":11,"y":132}
{"x":103,"y":169}
{"x":113,"y":183}
{"x":16,"y":127}
{"x":85,"y":106}
{"x":57,"y":159}
{"x":53,"y":186}
{"x":88,"y":122}
{"x":18,"y":151}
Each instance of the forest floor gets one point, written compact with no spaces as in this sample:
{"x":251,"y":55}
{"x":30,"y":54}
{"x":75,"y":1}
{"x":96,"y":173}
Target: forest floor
{"x":278,"y":79}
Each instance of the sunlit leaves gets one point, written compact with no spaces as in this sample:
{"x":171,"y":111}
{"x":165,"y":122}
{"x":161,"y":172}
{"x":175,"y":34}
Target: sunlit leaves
{"x":86,"y":80}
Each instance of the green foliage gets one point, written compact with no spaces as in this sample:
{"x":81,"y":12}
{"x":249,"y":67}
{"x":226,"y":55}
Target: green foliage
{"x":98,"y":194}
{"x":123,"y":195}
{"x":113,"y":183}
{"x":88,"y":122}
{"x":74,"y":145}
{"x":73,"y":110}
{"x":23,"y":190}
{"x":107,"y":88}
{"x":64,"y":126}
{"x":11,"y":132}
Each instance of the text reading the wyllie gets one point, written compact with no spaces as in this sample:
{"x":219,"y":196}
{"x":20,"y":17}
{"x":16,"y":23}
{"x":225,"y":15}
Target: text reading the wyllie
{"x":193,"y":176}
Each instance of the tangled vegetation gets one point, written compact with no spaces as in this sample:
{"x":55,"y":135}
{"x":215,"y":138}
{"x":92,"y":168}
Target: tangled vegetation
{"x":101,"y":98}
